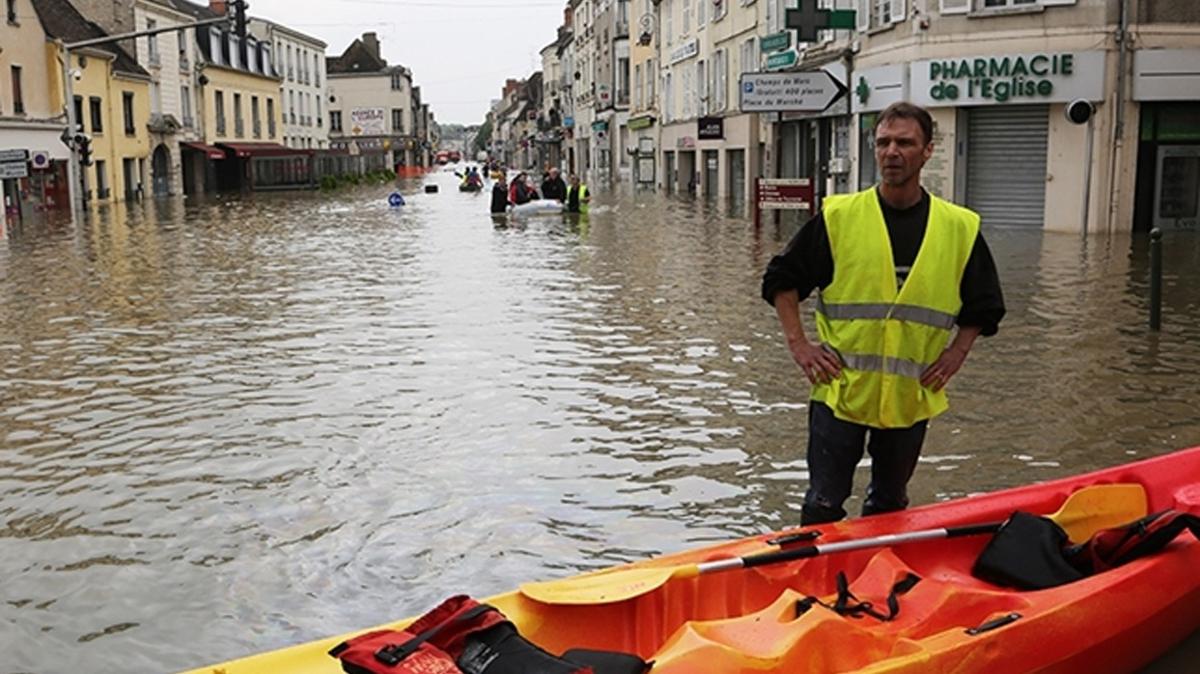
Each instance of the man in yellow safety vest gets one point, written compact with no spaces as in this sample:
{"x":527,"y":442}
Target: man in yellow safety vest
{"x":577,"y":197}
{"x":896,"y":270}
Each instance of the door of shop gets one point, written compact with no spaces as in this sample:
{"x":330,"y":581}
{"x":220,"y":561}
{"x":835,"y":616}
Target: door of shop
{"x":711,"y":174}
{"x":1006,"y":164}
{"x":669,"y":171}
{"x":735,"y":161}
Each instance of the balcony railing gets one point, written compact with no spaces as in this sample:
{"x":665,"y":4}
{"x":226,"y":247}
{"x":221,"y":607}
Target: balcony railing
{"x":188,"y":122}
{"x":292,"y":118}
{"x":153,"y":58}
{"x":184,"y":64}
{"x":220,"y":126}
{"x":271,"y":130}
{"x":239,"y":128}
{"x":257,"y":129}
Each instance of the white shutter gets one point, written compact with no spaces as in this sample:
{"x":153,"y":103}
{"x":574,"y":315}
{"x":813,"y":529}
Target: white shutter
{"x":955,"y":6}
{"x":898,"y":13}
{"x":863,"y":14}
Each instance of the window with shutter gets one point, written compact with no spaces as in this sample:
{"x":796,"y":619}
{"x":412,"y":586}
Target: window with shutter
{"x":863,"y":14}
{"x":898,"y":11}
{"x":954,"y":6}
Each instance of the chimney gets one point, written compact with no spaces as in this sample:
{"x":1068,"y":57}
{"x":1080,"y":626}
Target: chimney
{"x":217,"y":6}
{"x":568,"y":15}
{"x":371,"y":40}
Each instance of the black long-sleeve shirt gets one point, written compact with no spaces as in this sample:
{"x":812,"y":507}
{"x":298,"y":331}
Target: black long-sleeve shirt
{"x":554,"y":188}
{"x":807,"y":264}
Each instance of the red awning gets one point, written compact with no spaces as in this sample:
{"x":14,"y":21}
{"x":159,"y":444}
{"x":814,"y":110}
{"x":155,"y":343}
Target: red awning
{"x":264,"y":150}
{"x":209,"y":151}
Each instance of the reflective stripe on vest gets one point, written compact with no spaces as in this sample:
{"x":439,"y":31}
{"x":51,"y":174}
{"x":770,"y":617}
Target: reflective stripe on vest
{"x":887,"y":337}
{"x":902,"y":312}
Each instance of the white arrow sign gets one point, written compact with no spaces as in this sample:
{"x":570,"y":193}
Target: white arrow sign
{"x":782,"y":92}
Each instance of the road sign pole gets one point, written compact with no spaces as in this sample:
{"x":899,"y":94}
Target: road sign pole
{"x":74,"y":189}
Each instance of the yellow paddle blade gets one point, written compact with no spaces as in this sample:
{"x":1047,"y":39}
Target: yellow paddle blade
{"x":605,"y":587}
{"x":1098,"y":507}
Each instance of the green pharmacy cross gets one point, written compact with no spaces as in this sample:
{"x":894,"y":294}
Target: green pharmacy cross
{"x":807,"y":19}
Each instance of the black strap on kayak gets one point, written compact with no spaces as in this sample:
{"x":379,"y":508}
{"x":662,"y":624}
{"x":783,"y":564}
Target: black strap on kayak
{"x":843,"y":606}
{"x":392,"y":655}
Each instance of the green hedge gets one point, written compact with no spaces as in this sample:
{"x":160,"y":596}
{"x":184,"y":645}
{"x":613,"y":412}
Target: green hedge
{"x":380,"y":177}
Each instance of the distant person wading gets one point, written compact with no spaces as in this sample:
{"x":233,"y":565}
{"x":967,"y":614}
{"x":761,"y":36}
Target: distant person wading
{"x":885,"y":320}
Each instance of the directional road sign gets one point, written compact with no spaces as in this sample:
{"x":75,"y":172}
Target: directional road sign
{"x":811,"y":91}
{"x":807,"y":19}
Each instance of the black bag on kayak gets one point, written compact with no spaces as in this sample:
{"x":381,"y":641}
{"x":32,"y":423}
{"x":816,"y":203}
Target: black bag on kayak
{"x":1113,"y":547}
{"x":1027,"y":554}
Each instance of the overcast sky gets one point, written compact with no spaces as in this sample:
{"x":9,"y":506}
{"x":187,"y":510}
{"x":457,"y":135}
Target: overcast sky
{"x":460,"y":51}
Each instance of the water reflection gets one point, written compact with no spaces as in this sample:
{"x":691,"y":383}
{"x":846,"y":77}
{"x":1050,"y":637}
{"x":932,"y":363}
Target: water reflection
{"x":235,"y":424}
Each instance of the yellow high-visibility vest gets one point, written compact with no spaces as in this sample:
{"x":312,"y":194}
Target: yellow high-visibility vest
{"x":583,"y":194}
{"x":886,"y":337}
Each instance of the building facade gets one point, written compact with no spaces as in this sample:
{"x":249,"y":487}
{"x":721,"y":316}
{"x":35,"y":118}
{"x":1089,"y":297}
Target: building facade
{"x":111,"y":105}
{"x":374,"y":110}
{"x":643,"y":124}
{"x":999,"y":77}
{"x":303,"y":94}
{"x":33,"y":157}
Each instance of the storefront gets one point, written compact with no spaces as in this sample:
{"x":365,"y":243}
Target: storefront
{"x":1167,"y":192}
{"x":644,"y":148}
{"x":33,"y":168}
{"x":1001,"y":134}
{"x":269,"y":166}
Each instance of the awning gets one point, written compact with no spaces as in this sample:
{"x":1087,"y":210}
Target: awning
{"x":264,"y":150}
{"x":208,"y":150}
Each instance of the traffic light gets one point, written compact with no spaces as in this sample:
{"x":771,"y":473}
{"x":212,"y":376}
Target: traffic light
{"x":83,"y":144}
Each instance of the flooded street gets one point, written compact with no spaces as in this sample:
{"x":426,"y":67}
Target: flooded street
{"x":234,"y":425}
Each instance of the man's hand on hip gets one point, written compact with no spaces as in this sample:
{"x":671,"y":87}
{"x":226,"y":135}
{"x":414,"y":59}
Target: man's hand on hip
{"x":936,"y":376}
{"x":819,"y":365}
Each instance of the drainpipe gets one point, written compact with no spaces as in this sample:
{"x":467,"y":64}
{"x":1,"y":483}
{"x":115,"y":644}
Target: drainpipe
{"x":1122,"y":37}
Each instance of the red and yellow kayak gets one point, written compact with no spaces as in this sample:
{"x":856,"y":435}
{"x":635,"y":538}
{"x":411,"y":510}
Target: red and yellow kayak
{"x":745,"y":620}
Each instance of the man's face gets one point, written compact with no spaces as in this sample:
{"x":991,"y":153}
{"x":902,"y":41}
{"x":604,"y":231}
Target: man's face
{"x":553,"y":173}
{"x":575,"y":180}
{"x":900,"y":150}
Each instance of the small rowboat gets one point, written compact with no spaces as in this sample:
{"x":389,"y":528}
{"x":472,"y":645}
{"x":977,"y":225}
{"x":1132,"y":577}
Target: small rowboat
{"x":744,"y":617}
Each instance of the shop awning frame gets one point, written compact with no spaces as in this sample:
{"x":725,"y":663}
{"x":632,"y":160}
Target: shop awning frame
{"x":208,"y":150}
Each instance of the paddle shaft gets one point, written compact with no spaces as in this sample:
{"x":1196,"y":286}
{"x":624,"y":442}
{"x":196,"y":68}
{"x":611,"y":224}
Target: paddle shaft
{"x":845,"y":546}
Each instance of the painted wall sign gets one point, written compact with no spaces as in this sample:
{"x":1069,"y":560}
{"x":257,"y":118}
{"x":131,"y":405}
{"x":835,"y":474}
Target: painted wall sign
{"x":1166,"y":74}
{"x":367,"y":122}
{"x":710,"y":128}
{"x":1043,"y":77}
{"x":684,"y":52}
{"x":874,"y":89}
{"x":639,"y":123}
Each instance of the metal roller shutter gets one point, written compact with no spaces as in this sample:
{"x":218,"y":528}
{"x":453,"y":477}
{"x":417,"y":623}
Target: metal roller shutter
{"x":1006,"y":164}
